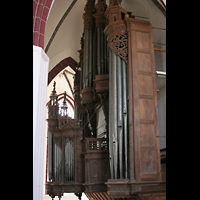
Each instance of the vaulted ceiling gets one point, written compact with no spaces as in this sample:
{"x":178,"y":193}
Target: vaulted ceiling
{"x":64,"y":26}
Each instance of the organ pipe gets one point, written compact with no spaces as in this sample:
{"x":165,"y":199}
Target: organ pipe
{"x":87,"y":70}
{"x":90,"y":53}
{"x":84,"y":63}
{"x":101,"y":52}
{"x":119,"y":109}
{"x":111,"y":117}
{"x":98,"y":51}
{"x":50,"y":156}
{"x":118,"y":132}
{"x":115,"y":135}
{"x":86,"y":58}
{"x":105,"y":54}
{"x":125,"y":109}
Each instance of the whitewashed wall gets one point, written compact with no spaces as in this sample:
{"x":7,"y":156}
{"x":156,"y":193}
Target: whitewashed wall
{"x":40,"y":74}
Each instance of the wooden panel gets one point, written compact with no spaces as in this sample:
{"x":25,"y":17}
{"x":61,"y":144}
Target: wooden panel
{"x":143,"y":40}
{"x":145,"y":84}
{"x":105,"y":170}
{"x":148,"y":161}
{"x":94,"y":171}
{"x":146,"y":109}
{"x":147,"y":134}
{"x":142,"y":102}
{"x":144,"y":61}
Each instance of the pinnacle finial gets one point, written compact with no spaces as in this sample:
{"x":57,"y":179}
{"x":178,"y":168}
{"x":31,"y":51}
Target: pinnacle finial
{"x":64,"y":107}
{"x":54,"y":86}
{"x":53,"y":96}
{"x":64,"y":101}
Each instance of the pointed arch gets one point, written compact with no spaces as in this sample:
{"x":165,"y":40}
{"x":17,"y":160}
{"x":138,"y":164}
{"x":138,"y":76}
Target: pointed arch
{"x":67,"y":98}
{"x":69,"y":61}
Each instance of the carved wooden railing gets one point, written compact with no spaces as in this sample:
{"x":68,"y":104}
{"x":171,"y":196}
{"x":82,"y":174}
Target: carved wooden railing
{"x":97,"y":169}
{"x":95,"y":144}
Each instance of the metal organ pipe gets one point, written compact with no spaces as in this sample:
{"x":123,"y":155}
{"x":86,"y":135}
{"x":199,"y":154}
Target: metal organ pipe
{"x":50,"y":156}
{"x":119,"y":109}
{"x":87,"y":69}
{"x":72,"y":161}
{"x":90,"y":53}
{"x":60,"y":162}
{"x":98,"y":51}
{"x":81,"y":76}
{"x":93,"y":55}
{"x":56,"y":161}
{"x":105,"y":54}
{"x":101,"y":50}
{"x":125,"y":109}
{"x":115,"y":138}
{"x":86,"y":58}
{"x":111,"y":116}
{"x":65,"y":162}
{"x":69,"y":152}
{"x":69,"y":160}
{"x":118,"y":130}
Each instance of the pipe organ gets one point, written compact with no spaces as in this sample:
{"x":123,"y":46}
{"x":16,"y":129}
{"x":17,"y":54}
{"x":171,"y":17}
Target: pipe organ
{"x":111,"y":150}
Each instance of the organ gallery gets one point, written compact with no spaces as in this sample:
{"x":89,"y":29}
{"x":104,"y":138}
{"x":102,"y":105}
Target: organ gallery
{"x":115,"y":83}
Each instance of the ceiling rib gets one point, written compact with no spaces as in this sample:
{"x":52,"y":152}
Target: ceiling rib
{"x":65,"y":75}
{"x":59,"y":24}
{"x":163,"y":10}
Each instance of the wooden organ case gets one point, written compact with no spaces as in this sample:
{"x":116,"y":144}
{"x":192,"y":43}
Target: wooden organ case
{"x":111,"y":150}
{"x":64,"y":150}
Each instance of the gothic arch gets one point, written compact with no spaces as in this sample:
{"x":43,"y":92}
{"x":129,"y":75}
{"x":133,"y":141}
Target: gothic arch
{"x":40,"y":12}
{"x":60,"y":66}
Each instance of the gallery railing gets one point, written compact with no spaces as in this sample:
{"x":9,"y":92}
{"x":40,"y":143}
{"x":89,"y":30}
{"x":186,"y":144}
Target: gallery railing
{"x":95,"y":144}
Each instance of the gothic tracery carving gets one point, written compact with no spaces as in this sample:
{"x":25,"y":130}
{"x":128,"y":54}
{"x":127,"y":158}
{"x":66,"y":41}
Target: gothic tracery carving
{"x":119,"y":45}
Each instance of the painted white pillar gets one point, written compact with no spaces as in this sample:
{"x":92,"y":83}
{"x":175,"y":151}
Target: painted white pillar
{"x":40,"y":75}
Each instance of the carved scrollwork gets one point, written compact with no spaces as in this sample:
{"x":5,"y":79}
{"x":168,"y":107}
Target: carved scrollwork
{"x":119,"y":45}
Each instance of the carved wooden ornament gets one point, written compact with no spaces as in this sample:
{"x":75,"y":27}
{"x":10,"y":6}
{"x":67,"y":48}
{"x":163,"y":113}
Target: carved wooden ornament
{"x":119,"y":45}
{"x":116,"y":32}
